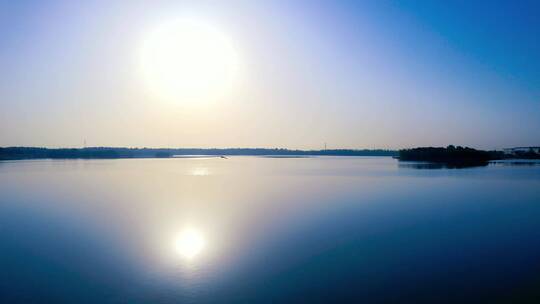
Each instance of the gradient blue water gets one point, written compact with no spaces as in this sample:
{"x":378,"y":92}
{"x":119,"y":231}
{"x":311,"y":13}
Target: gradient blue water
{"x":350,"y":229}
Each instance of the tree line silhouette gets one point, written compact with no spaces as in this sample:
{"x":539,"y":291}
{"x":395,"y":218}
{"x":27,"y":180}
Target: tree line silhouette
{"x":450,"y":154}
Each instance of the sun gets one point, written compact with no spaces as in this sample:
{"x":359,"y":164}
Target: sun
{"x":188,"y":60}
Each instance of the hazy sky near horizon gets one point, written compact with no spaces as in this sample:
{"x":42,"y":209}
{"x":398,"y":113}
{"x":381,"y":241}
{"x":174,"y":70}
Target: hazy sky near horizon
{"x":353,"y":74}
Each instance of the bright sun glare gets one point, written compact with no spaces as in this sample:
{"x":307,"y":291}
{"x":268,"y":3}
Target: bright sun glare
{"x":187,"y":60}
{"x":190,"y":243}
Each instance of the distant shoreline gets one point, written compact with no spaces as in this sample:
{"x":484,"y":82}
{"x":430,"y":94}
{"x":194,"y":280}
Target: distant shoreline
{"x":460,"y":156}
{"x":15,"y":153}
{"x":450,"y":154}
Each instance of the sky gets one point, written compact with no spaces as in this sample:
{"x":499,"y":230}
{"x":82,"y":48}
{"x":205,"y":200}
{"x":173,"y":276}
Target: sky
{"x":351,"y":74}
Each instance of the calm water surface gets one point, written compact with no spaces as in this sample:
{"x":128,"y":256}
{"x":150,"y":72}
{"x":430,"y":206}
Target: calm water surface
{"x":267,"y":230}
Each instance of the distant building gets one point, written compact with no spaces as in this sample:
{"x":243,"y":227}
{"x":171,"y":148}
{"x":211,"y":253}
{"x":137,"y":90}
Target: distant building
{"x":516,"y":150}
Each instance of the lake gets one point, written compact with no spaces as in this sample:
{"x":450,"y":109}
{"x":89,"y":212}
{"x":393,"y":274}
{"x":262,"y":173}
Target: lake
{"x":268,"y":230}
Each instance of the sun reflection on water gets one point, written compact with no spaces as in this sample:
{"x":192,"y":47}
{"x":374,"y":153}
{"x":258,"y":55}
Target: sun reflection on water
{"x":190,"y":243}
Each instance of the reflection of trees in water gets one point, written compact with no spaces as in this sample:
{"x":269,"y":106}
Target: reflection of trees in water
{"x":441,"y":165}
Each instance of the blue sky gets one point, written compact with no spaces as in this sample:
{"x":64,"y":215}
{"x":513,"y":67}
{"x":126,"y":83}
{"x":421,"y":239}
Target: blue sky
{"x":354,"y":74}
